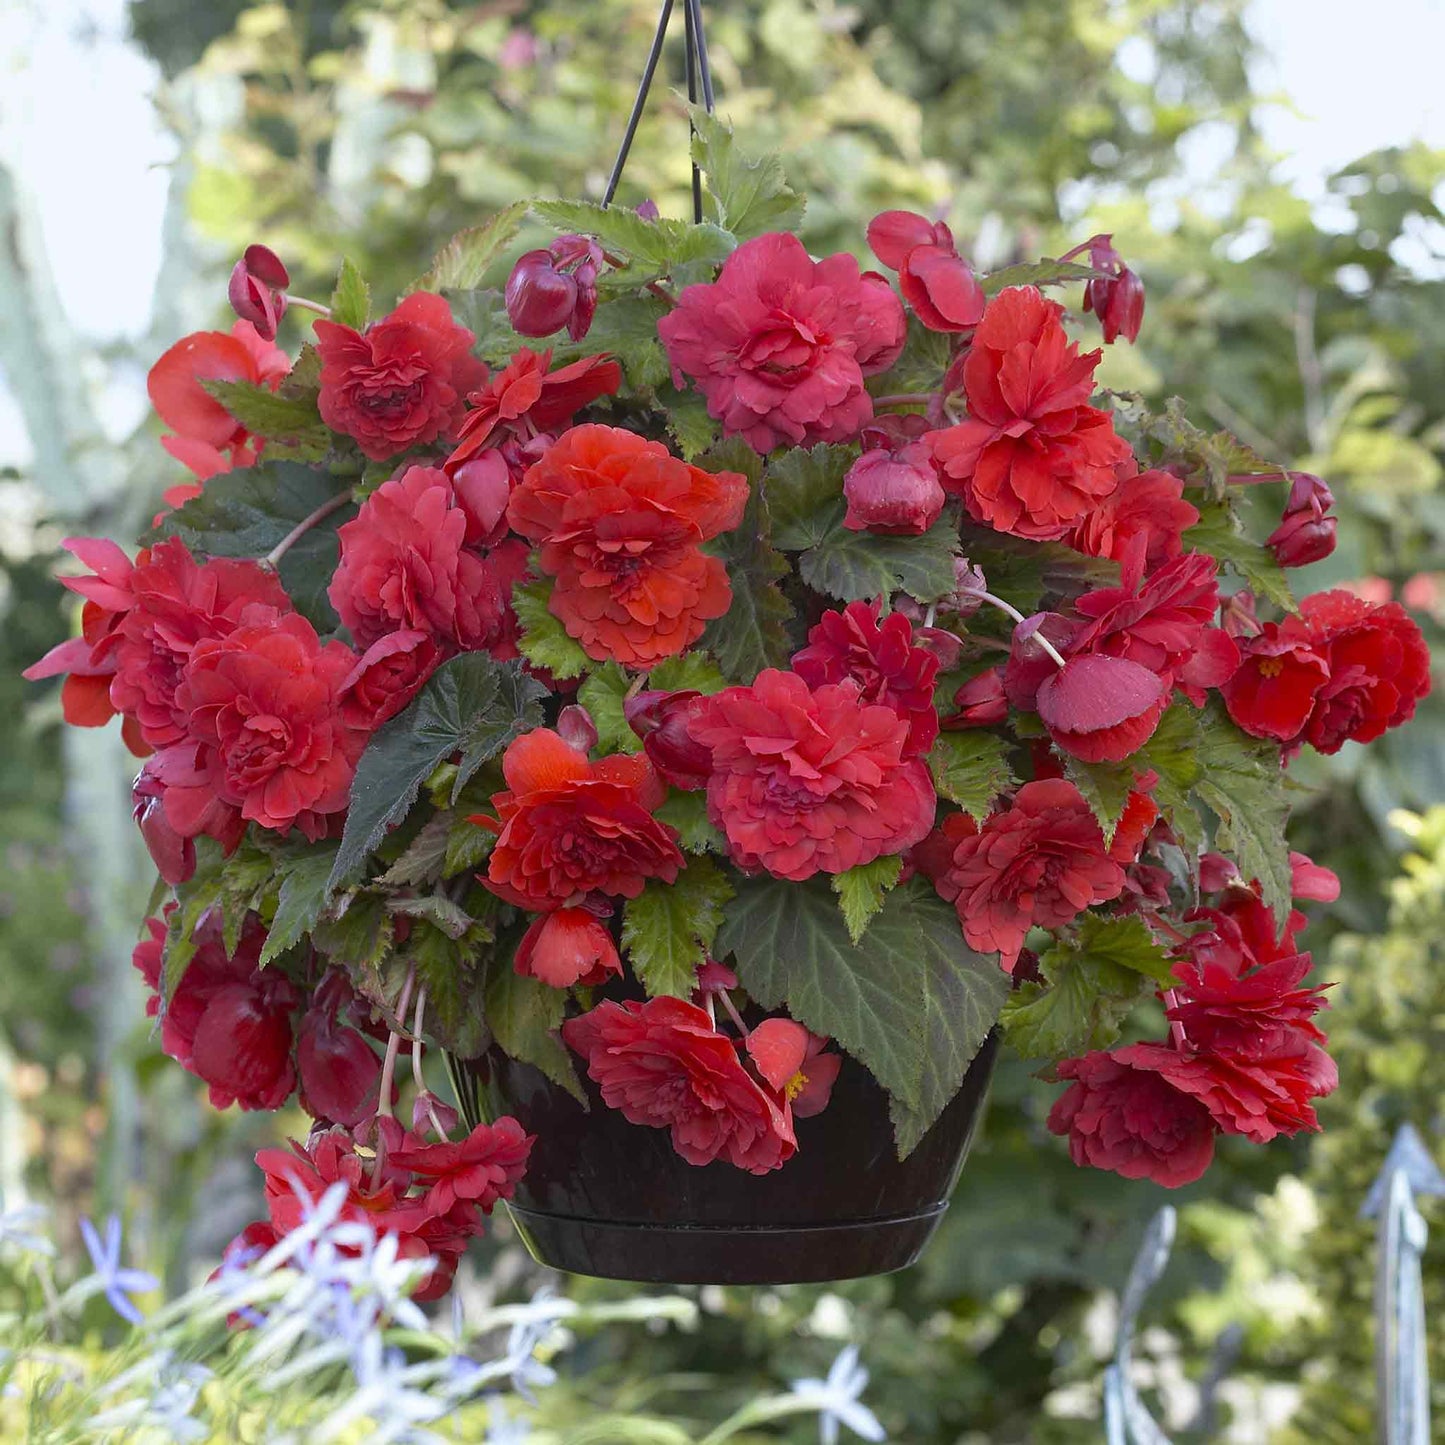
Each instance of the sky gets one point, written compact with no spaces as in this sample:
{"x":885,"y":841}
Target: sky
{"x":1355,"y":77}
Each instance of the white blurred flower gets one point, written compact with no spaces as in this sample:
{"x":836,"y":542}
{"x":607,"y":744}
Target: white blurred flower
{"x":837,"y":1399}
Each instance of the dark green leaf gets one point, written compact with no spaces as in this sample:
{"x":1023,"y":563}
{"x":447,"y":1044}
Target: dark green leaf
{"x":300,"y":899}
{"x":524,"y":1015}
{"x":627,"y":328}
{"x":920,"y":366}
{"x":351,"y":300}
{"x":470,"y":705}
{"x":804,"y":491}
{"x":467,"y":845}
{"x":752,"y":634}
{"x":859,"y":565}
{"x":971,"y":769}
{"x":861,"y":891}
{"x":544,"y":641}
{"x":461,"y":264}
{"x":450,"y":969}
{"x":1173,"y":753}
{"x":913,"y":1002}
{"x":668,"y":928}
{"x":749,"y":196}
{"x":245,"y":513}
{"x":420,"y":865}
{"x":692,"y":428}
{"x":1241,"y":779}
{"x":357,"y":934}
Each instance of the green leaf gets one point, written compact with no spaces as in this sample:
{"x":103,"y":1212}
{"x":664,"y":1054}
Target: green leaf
{"x":470,"y":705}
{"x":687,"y":672}
{"x":300,"y":899}
{"x":1106,"y":788}
{"x":858,"y":565}
{"x":544,"y":641}
{"x":692,"y":428}
{"x":195,"y":898}
{"x":627,"y":328}
{"x":861,"y":891}
{"x":747,"y":195}
{"x":668,"y":928}
{"x":357,"y":933}
{"x":461,"y":264}
{"x":752,"y":634}
{"x":351,"y":300}
{"x":603,"y":695}
{"x":523,"y":1015}
{"x":268,"y":413}
{"x":1095,"y":977}
{"x":420,"y":864}
{"x":245,"y":513}
{"x":687,"y":813}
{"x":1039,"y":273}
{"x":913,"y":1002}
{"x":449,"y":968}
{"x":1241,"y":779}
{"x":467,"y":845}
{"x":1173,"y":753}
{"x":1219,"y":533}
{"x":971,"y":769}
{"x":804,"y":492}
{"x":661,"y":244}
{"x":920,"y":366}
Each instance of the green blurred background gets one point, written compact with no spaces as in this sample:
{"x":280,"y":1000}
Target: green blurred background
{"x":1301,"y":310}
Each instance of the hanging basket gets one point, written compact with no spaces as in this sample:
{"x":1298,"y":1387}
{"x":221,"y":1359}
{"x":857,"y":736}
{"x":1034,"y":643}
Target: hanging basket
{"x":605,"y":1197}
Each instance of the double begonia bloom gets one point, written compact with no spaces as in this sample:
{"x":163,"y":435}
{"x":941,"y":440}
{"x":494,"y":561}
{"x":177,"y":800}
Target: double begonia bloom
{"x":618,"y":521}
{"x":1121,"y":1114}
{"x":883,"y":659}
{"x":264,"y":703}
{"x":811,"y":780}
{"x":402,"y":382}
{"x":479,"y":1170}
{"x":406,"y":567}
{"x":664,"y":1065}
{"x":1032,"y":458}
{"x":1140,"y":525}
{"x":1040,"y":863}
{"x":780,"y":345}
{"x":567,"y":826}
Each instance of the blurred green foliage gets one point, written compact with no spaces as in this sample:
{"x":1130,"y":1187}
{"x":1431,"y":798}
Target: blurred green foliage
{"x":376,"y":128}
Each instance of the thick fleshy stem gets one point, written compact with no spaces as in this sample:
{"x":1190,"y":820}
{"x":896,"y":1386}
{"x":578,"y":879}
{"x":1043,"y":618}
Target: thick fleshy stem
{"x":304,"y":303}
{"x":1018,"y":616}
{"x":416,"y":1070}
{"x":332,"y":504}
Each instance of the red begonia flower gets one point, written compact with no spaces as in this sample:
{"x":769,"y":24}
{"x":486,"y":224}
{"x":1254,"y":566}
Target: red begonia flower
{"x":1272,"y":692}
{"x":568,"y":946}
{"x":480,"y":1170}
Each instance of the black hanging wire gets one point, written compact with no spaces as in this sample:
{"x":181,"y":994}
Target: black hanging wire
{"x":699,"y":74}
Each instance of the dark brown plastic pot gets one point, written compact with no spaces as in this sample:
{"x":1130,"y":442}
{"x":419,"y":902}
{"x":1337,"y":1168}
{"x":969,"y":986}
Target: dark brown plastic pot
{"x":605,"y":1197}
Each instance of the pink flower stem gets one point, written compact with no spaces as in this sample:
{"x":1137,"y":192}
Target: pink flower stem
{"x":332,"y":504}
{"x":304,"y":304}
{"x":661,"y":292}
{"x":416,"y":1071}
{"x":636,"y":685}
{"x":1176,"y":1029}
{"x":733,"y":1013}
{"x":1018,"y":616}
{"x":393,"y":1046}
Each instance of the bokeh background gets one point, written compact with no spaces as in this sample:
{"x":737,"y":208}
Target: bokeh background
{"x":1275,"y":170}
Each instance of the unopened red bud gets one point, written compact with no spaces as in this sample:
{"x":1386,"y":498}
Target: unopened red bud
{"x":1308,"y":492}
{"x":427,"y":1111}
{"x":661,"y":720}
{"x":942,"y":644}
{"x":581,"y":322}
{"x":483,"y":487}
{"x":980,"y":702}
{"x":575,"y":726}
{"x":1118,"y":301}
{"x":1302,"y":538}
{"x":540,"y":299}
{"x":893,"y":492}
{"x":173,"y":855}
{"x":257,"y":289}
{"x":648,"y":210}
